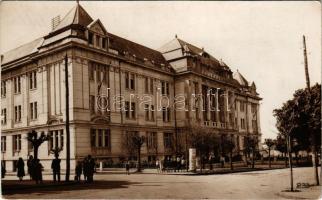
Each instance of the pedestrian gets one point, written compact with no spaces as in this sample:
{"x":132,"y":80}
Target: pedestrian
{"x":161,"y":165}
{"x":91,"y":168}
{"x":157,"y":163}
{"x":55,"y":166}
{"x":30,"y":166}
{"x":85,"y":169}
{"x":38,"y":171}
{"x":78,"y":171}
{"x":183,"y":163}
{"x":178,"y":164}
{"x":20,"y":169}
{"x":222,"y":161}
{"x":127,"y":167}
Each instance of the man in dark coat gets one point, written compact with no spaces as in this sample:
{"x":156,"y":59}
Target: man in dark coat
{"x":55,"y":166}
{"x":91,"y":168}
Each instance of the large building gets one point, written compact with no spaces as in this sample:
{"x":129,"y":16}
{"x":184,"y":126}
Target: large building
{"x":104,"y":69}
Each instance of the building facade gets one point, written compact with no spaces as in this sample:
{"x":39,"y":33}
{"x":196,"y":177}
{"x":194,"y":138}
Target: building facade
{"x":116,"y":88}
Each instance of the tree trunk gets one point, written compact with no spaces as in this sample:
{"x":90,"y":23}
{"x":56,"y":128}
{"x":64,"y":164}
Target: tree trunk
{"x":231,"y":160}
{"x":285,"y":158}
{"x":269,"y":157}
{"x":315,"y":165}
{"x":253,"y":159}
{"x":36,"y":152}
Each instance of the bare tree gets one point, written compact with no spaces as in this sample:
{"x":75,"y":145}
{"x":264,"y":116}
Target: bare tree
{"x":36,"y":141}
{"x":269,"y":143}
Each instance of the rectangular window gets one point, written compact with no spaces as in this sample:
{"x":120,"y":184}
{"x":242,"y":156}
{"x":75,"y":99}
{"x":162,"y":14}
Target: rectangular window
{"x":152,"y":140}
{"x":102,"y":136}
{"x":162,"y":87}
{"x":168,"y":140}
{"x":241,"y":106}
{"x":3,"y":89}
{"x":130,"y":110}
{"x":90,"y":38}
{"x":33,"y":80}
{"x":18,"y":113}
{"x":127,"y":80}
{"x":166,"y":114}
{"x":50,"y":141}
{"x":98,"y":41}
{"x":30,"y":147}
{"x":17,"y":84}
{"x":4,"y":116}
{"x":152,"y":112}
{"x":92,"y":103}
{"x":93,"y":137}
{"x":104,"y":43}
{"x":16,"y":140}
{"x":132,"y":82}
{"x":127,"y":109}
{"x":146,"y":85}
{"x":151,"y":85}
{"x":107,"y":138}
{"x":3,"y":143}
{"x":33,"y":111}
{"x":146,"y":110}
{"x":91,"y":71}
{"x":61,"y":139}
{"x":133,"y":109}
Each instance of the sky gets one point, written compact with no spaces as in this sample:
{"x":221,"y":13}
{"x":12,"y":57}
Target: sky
{"x":263,"y":40}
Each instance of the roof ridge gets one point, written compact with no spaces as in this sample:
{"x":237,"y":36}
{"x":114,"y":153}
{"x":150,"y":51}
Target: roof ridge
{"x":134,"y":42}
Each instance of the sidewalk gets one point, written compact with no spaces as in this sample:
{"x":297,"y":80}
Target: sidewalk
{"x":302,"y":193}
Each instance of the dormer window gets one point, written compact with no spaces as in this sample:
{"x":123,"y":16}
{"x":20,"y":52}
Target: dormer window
{"x":90,"y":38}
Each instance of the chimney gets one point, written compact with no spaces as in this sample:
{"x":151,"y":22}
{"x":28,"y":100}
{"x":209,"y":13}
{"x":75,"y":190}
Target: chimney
{"x":54,"y":22}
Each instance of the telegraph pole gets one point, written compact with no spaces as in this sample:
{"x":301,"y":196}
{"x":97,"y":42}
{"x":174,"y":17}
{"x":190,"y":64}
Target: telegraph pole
{"x":307,"y":77}
{"x":314,"y":149}
{"x":67,"y":121}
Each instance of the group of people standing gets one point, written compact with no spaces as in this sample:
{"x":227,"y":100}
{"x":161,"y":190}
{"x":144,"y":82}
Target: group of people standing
{"x":87,"y":167}
{"x":34,"y":169}
{"x":170,"y":163}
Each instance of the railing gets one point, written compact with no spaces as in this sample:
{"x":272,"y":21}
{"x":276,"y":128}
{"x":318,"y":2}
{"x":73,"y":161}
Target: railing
{"x":219,"y":125}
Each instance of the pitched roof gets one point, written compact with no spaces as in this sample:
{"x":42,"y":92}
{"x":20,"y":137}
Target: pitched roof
{"x":123,"y":45}
{"x":240,"y":78}
{"x":77,"y":15}
{"x":22,"y":51}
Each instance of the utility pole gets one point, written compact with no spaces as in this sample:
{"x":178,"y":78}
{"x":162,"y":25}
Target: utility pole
{"x":307,"y":77}
{"x":67,"y":121}
{"x":314,"y":149}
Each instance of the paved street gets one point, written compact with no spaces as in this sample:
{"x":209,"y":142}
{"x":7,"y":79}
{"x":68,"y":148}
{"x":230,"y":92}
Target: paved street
{"x":259,"y":184}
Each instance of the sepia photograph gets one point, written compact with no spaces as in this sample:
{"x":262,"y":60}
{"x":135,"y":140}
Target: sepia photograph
{"x":160,"y":99}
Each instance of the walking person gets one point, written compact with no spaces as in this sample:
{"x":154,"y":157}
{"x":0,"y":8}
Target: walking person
{"x":30,"y":166}
{"x":20,"y":169}
{"x":157,"y":163}
{"x":55,"y":166}
{"x":183,"y":163}
{"x":78,"y":171}
{"x":161,"y":165}
{"x":127,"y":167}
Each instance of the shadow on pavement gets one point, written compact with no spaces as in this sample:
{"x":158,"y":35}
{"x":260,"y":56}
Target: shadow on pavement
{"x":13,"y":187}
